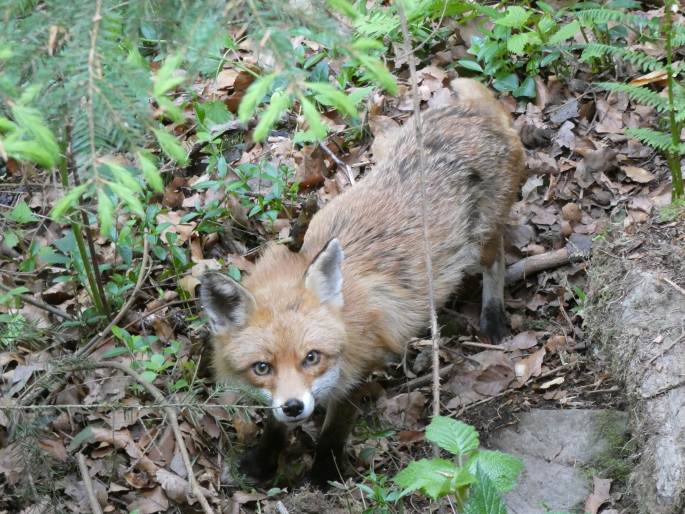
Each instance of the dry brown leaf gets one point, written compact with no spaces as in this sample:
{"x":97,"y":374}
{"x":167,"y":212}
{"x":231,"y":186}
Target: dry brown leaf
{"x":493,"y":380}
{"x":403,"y":410}
{"x":572,"y":212}
{"x":637,"y":174}
{"x":599,"y":496}
{"x":530,"y":366}
{"x":555,"y":343}
{"x":184,"y":230}
{"x":175,"y":487}
{"x":650,"y":78}
{"x":188,"y":284}
{"x":148,"y":502}
{"x":226,"y":78}
{"x":521,"y":341}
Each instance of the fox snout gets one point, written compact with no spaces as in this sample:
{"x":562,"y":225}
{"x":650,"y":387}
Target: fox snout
{"x":294,"y":409}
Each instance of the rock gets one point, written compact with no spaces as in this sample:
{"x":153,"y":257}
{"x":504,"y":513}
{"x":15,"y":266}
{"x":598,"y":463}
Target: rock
{"x":554,"y":445}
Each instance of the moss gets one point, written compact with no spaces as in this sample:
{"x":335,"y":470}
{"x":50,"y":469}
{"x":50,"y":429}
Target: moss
{"x":616,"y":462}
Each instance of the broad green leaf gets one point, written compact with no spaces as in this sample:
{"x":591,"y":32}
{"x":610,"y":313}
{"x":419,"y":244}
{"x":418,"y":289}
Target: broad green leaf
{"x":506,"y":83}
{"x":330,"y":95}
{"x":149,"y":376}
{"x":430,"y":476}
{"x":527,"y":89}
{"x":128,"y":197}
{"x":517,"y":43}
{"x":124,"y":176}
{"x":157,"y":360}
{"x":165,"y":80}
{"x":105,"y":212}
{"x":483,"y":497}
{"x":313,"y":118}
{"x":565,"y":32}
{"x":84,"y":436}
{"x":22,"y":213}
{"x":470,"y":65}
{"x":254,"y":94}
{"x":121,"y":333}
{"x":10,"y":239}
{"x":546,"y":24}
{"x":150,"y":171}
{"x":515,"y":17}
{"x":502,"y":469}
{"x":67,"y":202}
{"x":278,"y":105}
{"x":452,"y":435}
{"x":171,"y":146}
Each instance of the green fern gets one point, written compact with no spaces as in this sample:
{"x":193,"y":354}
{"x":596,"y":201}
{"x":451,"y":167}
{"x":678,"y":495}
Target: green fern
{"x":659,"y":140}
{"x":638,"y":59}
{"x":644,"y":95}
{"x":591,"y":17}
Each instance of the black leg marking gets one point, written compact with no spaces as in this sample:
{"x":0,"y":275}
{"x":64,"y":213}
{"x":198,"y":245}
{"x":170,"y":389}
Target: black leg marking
{"x":493,"y":322}
{"x":261,"y":461}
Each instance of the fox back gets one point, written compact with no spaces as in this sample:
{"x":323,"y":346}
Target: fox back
{"x":311,"y":325}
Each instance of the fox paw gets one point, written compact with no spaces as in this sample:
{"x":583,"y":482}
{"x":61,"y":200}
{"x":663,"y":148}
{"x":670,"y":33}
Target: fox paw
{"x":325,"y":469}
{"x":493,"y":322}
{"x":256,"y":465}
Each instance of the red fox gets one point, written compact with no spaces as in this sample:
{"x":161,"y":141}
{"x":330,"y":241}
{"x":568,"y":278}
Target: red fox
{"x":307,"y":328}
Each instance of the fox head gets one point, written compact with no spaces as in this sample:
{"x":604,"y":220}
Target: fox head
{"x":282,"y":331}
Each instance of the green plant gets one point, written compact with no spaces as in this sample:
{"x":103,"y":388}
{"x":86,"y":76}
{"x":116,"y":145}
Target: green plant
{"x":381,"y":496}
{"x":474,"y":481}
{"x":666,"y":139}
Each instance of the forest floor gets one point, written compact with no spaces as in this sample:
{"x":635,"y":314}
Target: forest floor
{"x":584,"y":179}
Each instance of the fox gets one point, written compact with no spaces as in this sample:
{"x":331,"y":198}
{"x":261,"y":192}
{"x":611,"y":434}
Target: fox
{"x":308,"y":327}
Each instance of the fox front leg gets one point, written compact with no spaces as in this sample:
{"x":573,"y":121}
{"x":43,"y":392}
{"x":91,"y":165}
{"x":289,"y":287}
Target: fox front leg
{"x":261,"y":461}
{"x":329,"y":460}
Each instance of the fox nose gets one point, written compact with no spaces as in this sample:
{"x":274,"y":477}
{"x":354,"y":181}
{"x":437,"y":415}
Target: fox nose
{"x":293,"y":408}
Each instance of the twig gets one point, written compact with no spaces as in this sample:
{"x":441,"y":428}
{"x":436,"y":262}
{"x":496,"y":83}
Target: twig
{"x":346,"y":168}
{"x":173,"y":421}
{"x":485,"y":346}
{"x":92,"y":499}
{"x":435,"y":331}
{"x":426,"y":379}
{"x":85,"y":350}
{"x":672,"y":284}
{"x":27,"y":299}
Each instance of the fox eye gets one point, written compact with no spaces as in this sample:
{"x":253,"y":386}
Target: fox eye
{"x":312,"y":358}
{"x":261,"y":368}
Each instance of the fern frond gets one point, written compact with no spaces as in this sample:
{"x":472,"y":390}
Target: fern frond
{"x":638,"y":94}
{"x":638,"y":59}
{"x":659,"y":140}
{"x":597,"y":16}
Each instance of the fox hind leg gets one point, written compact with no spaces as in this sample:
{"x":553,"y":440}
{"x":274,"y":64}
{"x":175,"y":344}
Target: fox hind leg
{"x":493,"y":318}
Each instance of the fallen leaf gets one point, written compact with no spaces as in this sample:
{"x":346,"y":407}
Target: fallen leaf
{"x":148,"y":502}
{"x":553,"y":382}
{"x":599,"y":496}
{"x":650,"y":78}
{"x":403,"y":410}
{"x":189,"y":283}
{"x":637,"y":174}
{"x":521,"y":341}
{"x":384,"y":130}
{"x":530,"y":366}
{"x":493,"y":380}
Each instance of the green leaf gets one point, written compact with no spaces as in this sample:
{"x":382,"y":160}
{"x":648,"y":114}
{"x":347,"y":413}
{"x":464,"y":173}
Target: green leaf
{"x":31,"y":121}
{"x":502,"y":469}
{"x":517,"y":43}
{"x":157,"y":360}
{"x":565,"y":32}
{"x":506,"y":83}
{"x":22,"y":214}
{"x":171,"y":146}
{"x":527,"y":89}
{"x":378,"y":72}
{"x":124,"y":176}
{"x":67,"y":202}
{"x":316,"y":126}
{"x":149,"y":376}
{"x":515,"y":17}
{"x":278,"y":105}
{"x":483,"y":497}
{"x":128,"y":197}
{"x":344,"y":7}
{"x":150,"y":171}
{"x":105,"y":212}
{"x":546,"y":24}
{"x":164,"y":79}
{"x":10,"y":239}
{"x":84,"y":436}
{"x":470,"y":65}
{"x":254,"y":94}
{"x":430,"y":476}
{"x":452,"y":435}
{"x":332,"y":96}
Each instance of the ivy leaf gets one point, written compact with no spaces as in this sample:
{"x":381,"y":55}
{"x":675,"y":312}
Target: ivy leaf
{"x":454,"y":436}
{"x":254,"y":94}
{"x":171,"y":146}
{"x":430,"y":476}
{"x":22,"y":214}
{"x":483,"y":497}
{"x":516,"y":17}
{"x":501,"y":469}
{"x":566,"y":32}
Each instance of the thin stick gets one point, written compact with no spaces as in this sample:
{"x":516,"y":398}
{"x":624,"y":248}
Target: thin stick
{"x":426,"y":379}
{"x":173,"y":421}
{"x":435,"y":331}
{"x":92,"y":499}
{"x":672,"y":284}
{"x":346,"y":168}
{"x":85,"y":350}
{"x":40,"y":305}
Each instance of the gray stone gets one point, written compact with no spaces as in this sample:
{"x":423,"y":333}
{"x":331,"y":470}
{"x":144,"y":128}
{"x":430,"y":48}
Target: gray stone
{"x":554,"y":446}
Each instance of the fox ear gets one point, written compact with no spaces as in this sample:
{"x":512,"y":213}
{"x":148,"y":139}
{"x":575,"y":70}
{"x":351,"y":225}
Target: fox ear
{"x":225,"y":301}
{"x":324,"y":275}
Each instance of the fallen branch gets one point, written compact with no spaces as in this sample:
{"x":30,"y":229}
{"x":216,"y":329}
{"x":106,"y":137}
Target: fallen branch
{"x":435,"y":330}
{"x":173,"y":421}
{"x":44,"y":306}
{"x":426,"y":379}
{"x":345,"y":167}
{"x":576,"y":249}
{"x":92,"y":499}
